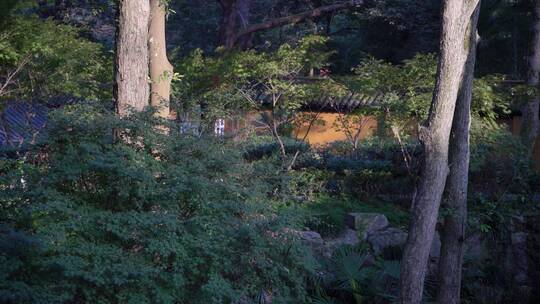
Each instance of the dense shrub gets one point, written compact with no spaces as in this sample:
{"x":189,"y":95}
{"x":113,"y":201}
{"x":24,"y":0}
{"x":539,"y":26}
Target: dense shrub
{"x":327,"y":213}
{"x":376,"y":170}
{"x":266,"y":147}
{"x":499,"y":164}
{"x":51,"y":59}
{"x":139,"y":217}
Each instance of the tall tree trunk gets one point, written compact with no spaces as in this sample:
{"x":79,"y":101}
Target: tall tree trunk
{"x":455,"y":197}
{"x":530,"y":126}
{"x":228,"y":23}
{"x":161,"y":70}
{"x":434,"y":136}
{"x":131,"y":74}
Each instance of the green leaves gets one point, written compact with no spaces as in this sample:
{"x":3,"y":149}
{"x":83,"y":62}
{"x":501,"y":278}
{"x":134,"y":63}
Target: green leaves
{"x":160,"y":219}
{"x":60,"y":62}
{"x":408,"y":90}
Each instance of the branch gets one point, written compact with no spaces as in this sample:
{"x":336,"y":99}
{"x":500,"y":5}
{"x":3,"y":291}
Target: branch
{"x":12,"y":74}
{"x":293,"y":19}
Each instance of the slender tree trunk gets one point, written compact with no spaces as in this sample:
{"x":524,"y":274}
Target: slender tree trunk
{"x":455,"y":197}
{"x":434,"y":136}
{"x":131,"y":71}
{"x":161,"y":70}
{"x":530,"y":126}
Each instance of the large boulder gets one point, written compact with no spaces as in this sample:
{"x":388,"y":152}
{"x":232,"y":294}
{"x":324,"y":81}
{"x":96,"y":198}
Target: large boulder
{"x":394,"y":237}
{"x":389,"y":237}
{"x":366,"y":223}
{"x":346,"y":237}
{"x":317,"y":244}
{"x":325,"y":248}
{"x":311,"y":238}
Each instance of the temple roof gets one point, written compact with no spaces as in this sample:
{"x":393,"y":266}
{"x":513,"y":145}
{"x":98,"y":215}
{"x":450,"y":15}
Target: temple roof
{"x":21,"y":123}
{"x":349,"y":102}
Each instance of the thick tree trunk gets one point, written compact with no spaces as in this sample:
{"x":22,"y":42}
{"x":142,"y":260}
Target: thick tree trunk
{"x":435,"y":137}
{"x":131,"y":74}
{"x":455,"y":197}
{"x":161,"y":70}
{"x":530,"y":126}
{"x":228,"y":23}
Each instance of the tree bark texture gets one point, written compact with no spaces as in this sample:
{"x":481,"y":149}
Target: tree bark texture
{"x":530,"y":125}
{"x":131,"y":71}
{"x":455,"y":196}
{"x":161,"y":70}
{"x":434,"y":136}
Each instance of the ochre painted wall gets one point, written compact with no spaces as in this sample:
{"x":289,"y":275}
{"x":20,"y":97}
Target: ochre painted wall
{"x":321,"y":134}
{"x":325,"y":131}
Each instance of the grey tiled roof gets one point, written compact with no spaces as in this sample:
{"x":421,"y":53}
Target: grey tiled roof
{"x":349,"y":102}
{"x":21,"y":123}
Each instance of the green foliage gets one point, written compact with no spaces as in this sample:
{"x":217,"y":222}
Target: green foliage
{"x":505,"y":28}
{"x":407,"y":87}
{"x":408,"y":90}
{"x":499,"y":162}
{"x":149,"y":218}
{"x":307,"y":183}
{"x":51,"y":59}
{"x":375,"y":170}
{"x":359,"y":278}
{"x":253,"y":80}
{"x":490,"y":100}
{"x":6,"y":7}
{"x":327,"y":213}
{"x":259,"y":147}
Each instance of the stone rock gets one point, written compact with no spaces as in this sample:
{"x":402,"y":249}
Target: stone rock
{"x":389,"y":237}
{"x":367,"y":223}
{"x":325,"y":248}
{"x":316,"y":242}
{"x":394,"y":237}
{"x":346,"y":237}
{"x":311,"y":237}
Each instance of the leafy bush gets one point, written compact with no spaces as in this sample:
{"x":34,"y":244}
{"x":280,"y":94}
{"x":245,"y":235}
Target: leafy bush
{"x":327,"y":213}
{"x":262,"y":147}
{"x":499,"y":162}
{"x":145,"y":217}
{"x":358,"y":278}
{"x":376,"y":170}
{"x":52,"y":60}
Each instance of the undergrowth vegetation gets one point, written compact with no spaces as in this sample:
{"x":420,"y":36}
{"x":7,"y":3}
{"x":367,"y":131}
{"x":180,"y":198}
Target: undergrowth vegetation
{"x":140,"y":217}
{"x":102,"y":209}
